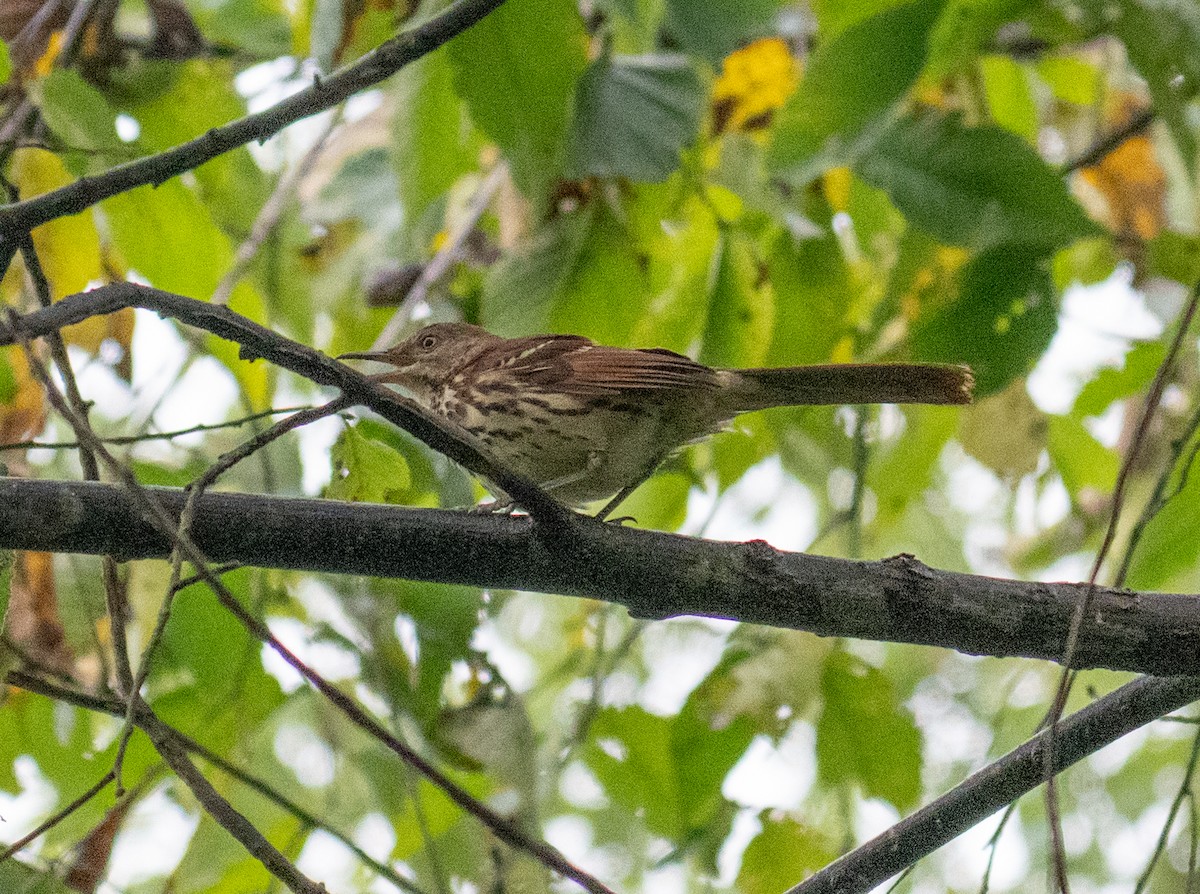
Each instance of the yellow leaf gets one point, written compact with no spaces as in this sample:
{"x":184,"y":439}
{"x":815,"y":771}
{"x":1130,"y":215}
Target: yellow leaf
{"x":71,"y":256}
{"x":837,"y":188}
{"x":68,"y":247}
{"x":23,"y":411}
{"x":755,"y":82}
{"x":1131,"y":184}
{"x":45,"y":63}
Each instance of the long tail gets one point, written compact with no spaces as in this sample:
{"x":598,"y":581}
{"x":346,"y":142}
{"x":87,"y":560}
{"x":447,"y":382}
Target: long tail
{"x":851,"y":383}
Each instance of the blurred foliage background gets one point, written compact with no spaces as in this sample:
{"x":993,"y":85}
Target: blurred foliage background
{"x":1005,"y":183}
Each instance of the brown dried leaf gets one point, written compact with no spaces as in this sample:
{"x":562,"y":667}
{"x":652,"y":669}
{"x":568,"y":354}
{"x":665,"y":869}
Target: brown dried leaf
{"x":33,"y":619}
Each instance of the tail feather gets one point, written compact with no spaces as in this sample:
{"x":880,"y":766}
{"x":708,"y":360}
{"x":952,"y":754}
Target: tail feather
{"x":852,"y":383}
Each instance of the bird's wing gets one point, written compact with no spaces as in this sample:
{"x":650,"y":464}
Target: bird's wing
{"x":573,"y":364}
{"x":619,"y":369}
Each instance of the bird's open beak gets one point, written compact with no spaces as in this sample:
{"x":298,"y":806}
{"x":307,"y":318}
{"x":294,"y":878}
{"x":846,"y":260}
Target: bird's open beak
{"x":361,"y":355}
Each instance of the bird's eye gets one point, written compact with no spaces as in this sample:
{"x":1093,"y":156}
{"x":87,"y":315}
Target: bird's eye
{"x":428,"y":342}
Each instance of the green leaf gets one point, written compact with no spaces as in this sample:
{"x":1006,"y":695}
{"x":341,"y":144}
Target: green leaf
{"x":1175,"y":256}
{"x":1082,"y":461}
{"x":581,"y":273}
{"x":22,"y":879}
{"x":364,"y":187}
{"x":972,"y":186}
{"x":901,"y":471}
{"x":741,"y":308}
{"x":668,"y":769}
{"x":208,"y":675}
{"x":517,"y":71}
{"x":174,"y":103}
{"x":633,"y":115}
{"x":5,"y":63}
{"x":835,"y":16}
{"x":169,"y":237}
{"x":784,"y":852}
{"x":261,"y":27}
{"x":863,"y":736}
{"x":9,"y":387}
{"x":1108,"y":385}
{"x":1002,"y":321}
{"x":1005,"y":432}
{"x":78,"y":114}
{"x":366,"y":470}
{"x":851,"y":81}
{"x":1169,"y":545}
{"x":713,"y":30}
{"x":967,"y":30}
{"x":445,"y":618}
{"x":1071,"y":78}
{"x":680,"y":263}
{"x":1009,"y":97}
{"x":432,"y":142}
{"x":813,"y":291}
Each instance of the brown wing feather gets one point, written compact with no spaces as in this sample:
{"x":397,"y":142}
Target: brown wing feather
{"x":603,"y":369}
{"x":573,"y":364}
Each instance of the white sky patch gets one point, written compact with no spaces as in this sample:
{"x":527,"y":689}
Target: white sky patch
{"x":778,"y":776}
{"x":1096,"y":326}
{"x":153,"y":840}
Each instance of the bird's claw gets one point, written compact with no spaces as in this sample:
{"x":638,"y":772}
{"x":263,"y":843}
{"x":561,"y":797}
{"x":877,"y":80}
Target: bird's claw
{"x":496,"y":507}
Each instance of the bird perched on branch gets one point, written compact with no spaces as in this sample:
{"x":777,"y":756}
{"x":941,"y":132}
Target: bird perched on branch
{"x":587,"y":421}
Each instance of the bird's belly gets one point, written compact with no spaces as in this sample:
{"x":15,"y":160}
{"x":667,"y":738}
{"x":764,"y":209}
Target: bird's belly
{"x":579,"y":457}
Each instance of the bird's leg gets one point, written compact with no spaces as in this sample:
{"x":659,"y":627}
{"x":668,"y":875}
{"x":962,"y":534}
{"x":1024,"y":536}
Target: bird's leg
{"x":628,"y":489}
{"x":616,"y":501}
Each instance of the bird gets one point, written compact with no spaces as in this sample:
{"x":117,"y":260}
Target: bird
{"x":587,"y":421}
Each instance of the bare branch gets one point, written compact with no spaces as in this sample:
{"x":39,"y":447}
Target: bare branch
{"x":654,"y":575}
{"x":999,"y":783}
{"x":381,"y":63}
{"x":260,"y":342}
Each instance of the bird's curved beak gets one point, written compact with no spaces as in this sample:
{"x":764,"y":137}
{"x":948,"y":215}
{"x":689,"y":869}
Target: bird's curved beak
{"x":362,"y":355}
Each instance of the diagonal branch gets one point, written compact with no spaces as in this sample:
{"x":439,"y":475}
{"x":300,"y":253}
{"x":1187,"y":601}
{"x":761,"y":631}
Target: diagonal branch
{"x":30,"y":682}
{"x":259,"y":342}
{"x":378,"y":65}
{"x":1000,"y":782}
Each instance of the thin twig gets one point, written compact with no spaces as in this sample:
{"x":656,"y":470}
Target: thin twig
{"x":1107,"y":143}
{"x":1157,"y":500}
{"x":116,"y":708}
{"x":176,"y":756}
{"x":58,"y":817}
{"x":257,"y":341}
{"x":226,"y":462}
{"x":269,"y":214}
{"x":122,"y":440}
{"x":371,"y":69}
{"x":1066,"y":678}
{"x":503,"y":828}
{"x":437,"y":267}
{"x":1000,"y":783}
{"x":1184,"y":792}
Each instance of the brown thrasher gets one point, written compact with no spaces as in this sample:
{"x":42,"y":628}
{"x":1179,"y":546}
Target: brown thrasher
{"x":586,"y":421}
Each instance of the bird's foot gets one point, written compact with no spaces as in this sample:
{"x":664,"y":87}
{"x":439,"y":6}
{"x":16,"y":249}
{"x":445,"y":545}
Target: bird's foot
{"x":496,"y":507}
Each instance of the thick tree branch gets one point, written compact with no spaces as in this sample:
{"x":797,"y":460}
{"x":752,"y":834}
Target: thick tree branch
{"x":654,"y":575}
{"x":382,"y":62}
